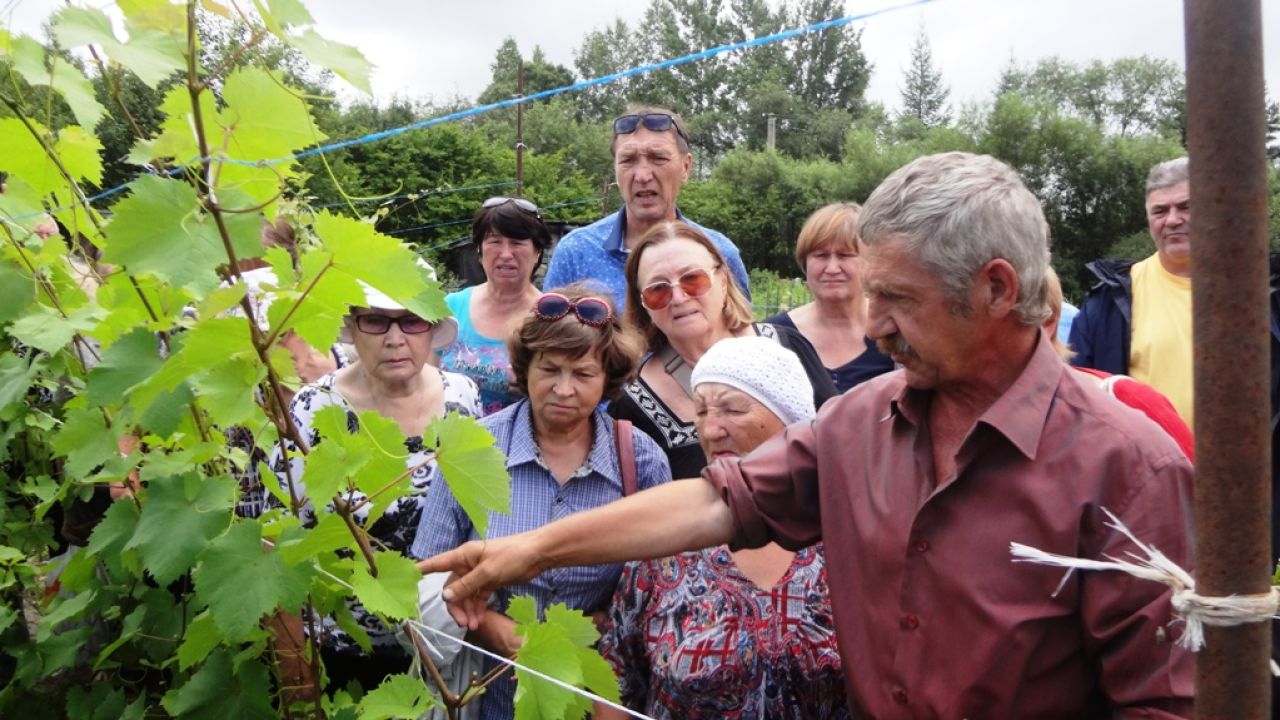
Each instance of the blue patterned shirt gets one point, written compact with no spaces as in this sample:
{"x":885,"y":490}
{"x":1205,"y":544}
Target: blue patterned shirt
{"x":597,"y":253}
{"x":537,"y":499}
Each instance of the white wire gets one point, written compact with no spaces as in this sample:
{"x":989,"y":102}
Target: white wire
{"x":419,"y":627}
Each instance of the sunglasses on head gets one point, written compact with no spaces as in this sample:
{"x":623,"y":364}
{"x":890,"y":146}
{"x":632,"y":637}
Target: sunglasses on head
{"x":657,"y":122}
{"x":657,"y":296}
{"x":589,"y":311}
{"x":374,"y":324}
{"x":520,"y":203}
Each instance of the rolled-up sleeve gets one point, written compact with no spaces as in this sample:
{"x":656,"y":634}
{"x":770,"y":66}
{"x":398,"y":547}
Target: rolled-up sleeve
{"x":773,"y":492}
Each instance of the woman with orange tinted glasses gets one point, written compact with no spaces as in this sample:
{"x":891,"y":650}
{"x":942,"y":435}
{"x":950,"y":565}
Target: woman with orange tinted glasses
{"x":681,"y":296}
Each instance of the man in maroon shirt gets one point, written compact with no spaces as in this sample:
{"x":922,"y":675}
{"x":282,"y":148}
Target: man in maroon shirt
{"x":918,"y":481}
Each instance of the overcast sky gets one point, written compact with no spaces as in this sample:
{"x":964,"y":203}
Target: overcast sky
{"x":442,"y":48}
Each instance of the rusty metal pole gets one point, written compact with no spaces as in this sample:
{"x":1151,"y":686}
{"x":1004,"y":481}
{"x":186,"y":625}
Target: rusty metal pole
{"x":520,"y":130}
{"x":1226,"y":141}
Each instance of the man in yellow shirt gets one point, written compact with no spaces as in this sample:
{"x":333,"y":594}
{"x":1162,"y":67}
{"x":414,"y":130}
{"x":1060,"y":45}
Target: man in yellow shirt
{"x":1137,"y":320}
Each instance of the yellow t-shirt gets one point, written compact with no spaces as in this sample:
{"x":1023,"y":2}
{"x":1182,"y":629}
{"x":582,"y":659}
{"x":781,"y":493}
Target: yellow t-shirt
{"x":1160,"y":344}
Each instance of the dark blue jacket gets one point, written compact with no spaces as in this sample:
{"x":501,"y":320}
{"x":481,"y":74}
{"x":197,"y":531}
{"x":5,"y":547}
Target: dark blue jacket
{"x":1100,"y":337}
{"x":1100,"y":333}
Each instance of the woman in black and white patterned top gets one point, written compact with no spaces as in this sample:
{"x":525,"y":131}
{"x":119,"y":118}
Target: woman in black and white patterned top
{"x":392,"y":377}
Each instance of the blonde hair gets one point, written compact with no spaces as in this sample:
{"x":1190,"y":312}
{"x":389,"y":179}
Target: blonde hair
{"x":737,"y":309}
{"x":835,"y":224}
{"x":1053,"y":299}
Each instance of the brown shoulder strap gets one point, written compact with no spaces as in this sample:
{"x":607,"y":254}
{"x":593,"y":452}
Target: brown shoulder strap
{"x":626,"y":456}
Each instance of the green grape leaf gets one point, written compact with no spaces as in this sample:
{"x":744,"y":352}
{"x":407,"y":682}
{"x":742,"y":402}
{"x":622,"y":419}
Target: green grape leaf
{"x":222,"y":300}
{"x":158,"y":14}
{"x":524,"y":610}
{"x":202,"y":636}
{"x":221,"y":690}
{"x":475,"y":470}
{"x":242,"y":582}
{"x":399,"y":696}
{"x":180,"y":516}
{"x":381,"y":261}
{"x":25,"y":159}
{"x":383,"y":443}
{"x":127,"y":362}
{"x":547,"y":648}
{"x":23,"y":211}
{"x":394,"y":593}
{"x":579,"y":628}
{"x":15,"y":292}
{"x":208,"y":343}
{"x":289,"y":13}
{"x":16,"y":376}
{"x":161,"y":207}
{"x":319,"y":315}
{"x":131,"y":626}
{"x":79,"y":151}
{"x":111,"y":535}
{"x":76,"y":89}
{"x":85,"y":440}
{"x":152,"y":55}
{"x":27,"y":56}
{"x":598,"y":675}
{"x":44,"y":329}
{"x":345,"y":61}
{"x":326,"y":470}
{"x":228,"y":390}
{"x":329,"y":534}
{"x":177,"y":138}
{"x":165,"y":413}
{"x":264,"y":119}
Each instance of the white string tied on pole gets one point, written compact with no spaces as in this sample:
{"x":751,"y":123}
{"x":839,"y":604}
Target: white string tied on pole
{"x":1193,"y":609}
{"x":419,"y":627}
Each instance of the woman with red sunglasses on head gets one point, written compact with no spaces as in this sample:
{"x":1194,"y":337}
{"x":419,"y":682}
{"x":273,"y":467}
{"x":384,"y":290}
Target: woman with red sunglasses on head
{"x":510,"y":240}
{"x":392,"y":377}
{"x":564,"y":456}
{"x":682,"y":298}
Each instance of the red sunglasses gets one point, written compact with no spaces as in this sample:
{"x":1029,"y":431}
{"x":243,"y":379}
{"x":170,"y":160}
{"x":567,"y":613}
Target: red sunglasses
{"x":657,"y":296}
{"x":589,"y":311}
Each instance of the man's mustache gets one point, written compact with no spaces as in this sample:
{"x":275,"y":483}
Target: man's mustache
{"x":897,"y":346}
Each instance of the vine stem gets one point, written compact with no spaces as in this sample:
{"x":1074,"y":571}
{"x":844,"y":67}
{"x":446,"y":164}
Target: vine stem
{"x":372,"y":496}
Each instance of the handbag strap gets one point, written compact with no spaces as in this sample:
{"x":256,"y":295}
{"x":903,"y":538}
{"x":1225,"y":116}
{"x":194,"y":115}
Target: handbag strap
{"x":626,"y":456}
{"x":677,"y":368}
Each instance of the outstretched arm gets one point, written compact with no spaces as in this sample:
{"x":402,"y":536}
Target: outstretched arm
{"x":678,"y":516}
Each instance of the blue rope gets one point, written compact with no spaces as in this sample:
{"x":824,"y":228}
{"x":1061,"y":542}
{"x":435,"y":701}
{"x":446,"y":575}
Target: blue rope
{"x":603,"y":80}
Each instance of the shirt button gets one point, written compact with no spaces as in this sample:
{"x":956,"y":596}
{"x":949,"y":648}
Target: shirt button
{"x":922,"y":545}
{"x":910,"y":622}
{"x":900,"y":696}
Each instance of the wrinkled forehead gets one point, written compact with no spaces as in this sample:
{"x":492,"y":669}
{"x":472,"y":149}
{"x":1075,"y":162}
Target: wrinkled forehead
{"x":715,"y":394}
{"x":1171,"y":195}
{"x":646,"y":140}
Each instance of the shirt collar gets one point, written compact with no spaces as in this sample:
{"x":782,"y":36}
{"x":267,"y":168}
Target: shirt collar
{"x":1019,"y":414}
{"x":617,"y":238}
{"x":523,"y":447}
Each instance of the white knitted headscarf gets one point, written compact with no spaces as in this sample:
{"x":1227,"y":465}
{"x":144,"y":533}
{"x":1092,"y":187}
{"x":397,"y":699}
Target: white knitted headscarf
{"x":763,"y":369}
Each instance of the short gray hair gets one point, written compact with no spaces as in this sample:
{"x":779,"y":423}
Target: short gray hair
{"x":957,"y":212}
{"x":1168,"y":173}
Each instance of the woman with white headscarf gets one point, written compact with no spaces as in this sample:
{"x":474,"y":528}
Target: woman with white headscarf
{"x":717,"y":633}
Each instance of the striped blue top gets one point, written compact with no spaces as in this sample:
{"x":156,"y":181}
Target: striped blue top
{"x":537,"y":499}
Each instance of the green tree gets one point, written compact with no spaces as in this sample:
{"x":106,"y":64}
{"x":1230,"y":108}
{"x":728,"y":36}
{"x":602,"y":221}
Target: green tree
{"x":924,"y":94}
{"x":539,"y":74}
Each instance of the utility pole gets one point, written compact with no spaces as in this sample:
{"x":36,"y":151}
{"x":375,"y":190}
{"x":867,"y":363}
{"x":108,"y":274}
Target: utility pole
{"x":771,"y":134}
{"x":520,"y":130}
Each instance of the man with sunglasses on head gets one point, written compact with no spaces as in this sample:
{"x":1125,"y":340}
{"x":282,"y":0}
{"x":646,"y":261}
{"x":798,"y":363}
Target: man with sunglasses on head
{"x":651,"y":160}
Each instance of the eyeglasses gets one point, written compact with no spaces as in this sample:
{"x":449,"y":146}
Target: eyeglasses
{"x":520,"y":203}
{"x":657,"y":122}
{"x":373,"y":324}
{"x":590,"y":311}
{"x":693,"y":283}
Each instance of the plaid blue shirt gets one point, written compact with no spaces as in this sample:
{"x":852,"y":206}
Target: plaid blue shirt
{"x":537,"y":499}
